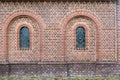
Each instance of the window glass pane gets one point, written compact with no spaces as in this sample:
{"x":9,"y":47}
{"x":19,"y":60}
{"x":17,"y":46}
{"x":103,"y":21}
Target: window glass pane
{"x":80,"y":37}
{"x":24,"y":38}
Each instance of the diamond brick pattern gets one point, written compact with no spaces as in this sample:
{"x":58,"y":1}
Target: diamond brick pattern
{"x":70,"y":47}
{"x":53,"y":40}
{"x":52,"y":36}
{"x":15,"y":54}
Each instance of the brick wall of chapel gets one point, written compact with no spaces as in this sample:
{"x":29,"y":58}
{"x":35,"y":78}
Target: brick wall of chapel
{"x":118,"y":28}
{"x":54,"y":40}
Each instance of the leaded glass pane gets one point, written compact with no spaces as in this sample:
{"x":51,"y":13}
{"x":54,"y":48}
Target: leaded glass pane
{"x":80,"y":37}
{"x":24,"y":37}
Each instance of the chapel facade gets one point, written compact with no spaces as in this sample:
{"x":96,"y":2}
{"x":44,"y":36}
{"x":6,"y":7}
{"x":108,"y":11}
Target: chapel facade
{"x":60,"y":37}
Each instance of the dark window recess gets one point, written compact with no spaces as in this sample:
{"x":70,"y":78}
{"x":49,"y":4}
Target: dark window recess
{"x":80,"y":37}
{"x":24,"y":38}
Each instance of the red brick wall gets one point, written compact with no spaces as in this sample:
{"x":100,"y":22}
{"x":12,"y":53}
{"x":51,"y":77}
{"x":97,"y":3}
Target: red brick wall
{"x":118,"y":29}
{"x":52,"y":27}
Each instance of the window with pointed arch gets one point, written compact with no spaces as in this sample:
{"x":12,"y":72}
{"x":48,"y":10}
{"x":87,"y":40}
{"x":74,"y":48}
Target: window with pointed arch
{"x":80,"y":38}
{"x":24,"y":38}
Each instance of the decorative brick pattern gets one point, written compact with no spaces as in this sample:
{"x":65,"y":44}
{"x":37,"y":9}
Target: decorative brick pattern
{"x":89,"y":54}
{"x":53,"y":50}
{"x":50,"y":20}
{"x":15,"y":53}
{"x":118,"y":29}
{"x":52,"y":33}
{"x":48,"y":70}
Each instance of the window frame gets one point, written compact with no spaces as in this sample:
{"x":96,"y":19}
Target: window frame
{"x":78,"y":33}
{"x":29,"y":26}
{"x":20,"y":35}
{"x":86,"y":27}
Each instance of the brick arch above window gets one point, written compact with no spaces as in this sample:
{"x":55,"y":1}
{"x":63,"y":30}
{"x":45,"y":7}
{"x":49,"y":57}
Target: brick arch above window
{"x":31,"y":32}
{"x":82,"y":13}
{"x":87,"y":30}
{"x":15,"y":14}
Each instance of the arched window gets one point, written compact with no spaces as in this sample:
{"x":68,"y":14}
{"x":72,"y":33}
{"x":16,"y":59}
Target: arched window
{"x":24,"y":38}
{"x":80,"y":37}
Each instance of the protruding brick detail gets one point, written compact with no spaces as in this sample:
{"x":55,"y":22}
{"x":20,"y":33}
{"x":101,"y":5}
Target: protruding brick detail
{"x":53,"y":37}
{"x":94,"y":21}
{"x":83,"y":13}
{"x":86,"y":27}
{"x":29,"y":26}
{"x":11,"y":18}
{"x":118,"y":29}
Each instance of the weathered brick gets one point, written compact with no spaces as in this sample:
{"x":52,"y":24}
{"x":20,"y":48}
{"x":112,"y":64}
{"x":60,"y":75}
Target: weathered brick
{"x":52,"y":36}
